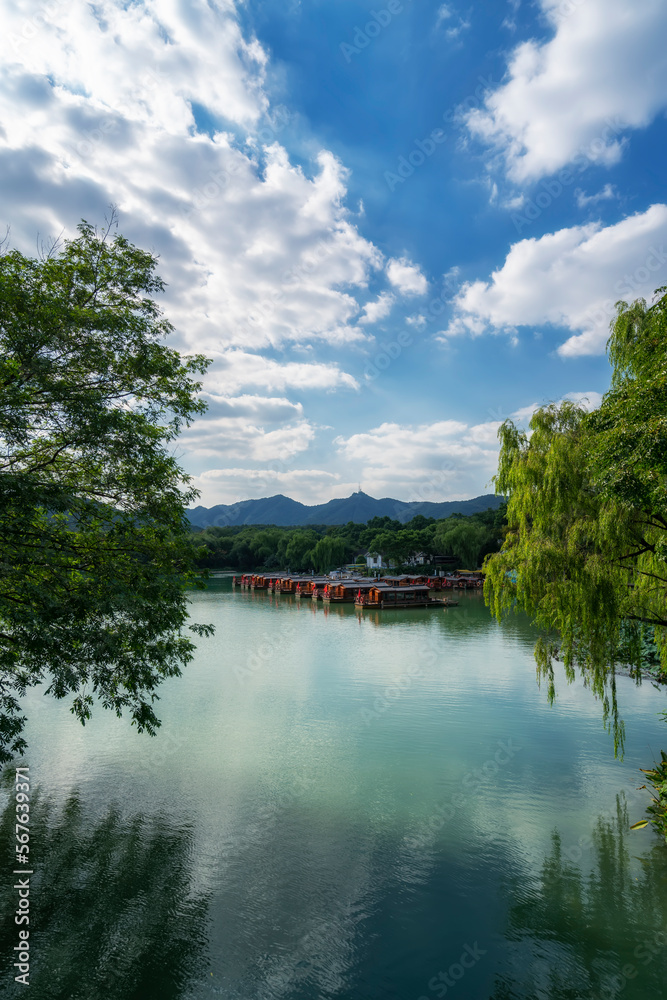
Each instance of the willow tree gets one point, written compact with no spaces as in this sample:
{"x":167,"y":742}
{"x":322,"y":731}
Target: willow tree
{"x":94,"y":560}
{"x":586,"y":549}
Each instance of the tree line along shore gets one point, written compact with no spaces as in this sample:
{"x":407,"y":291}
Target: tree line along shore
{"x":466,"y":539}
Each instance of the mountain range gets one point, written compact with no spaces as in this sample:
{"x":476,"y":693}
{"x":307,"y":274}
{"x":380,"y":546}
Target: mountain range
{"x":360,"y":508}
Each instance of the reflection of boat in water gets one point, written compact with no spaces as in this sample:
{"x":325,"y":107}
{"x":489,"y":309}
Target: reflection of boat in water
{"x":400,"y":597}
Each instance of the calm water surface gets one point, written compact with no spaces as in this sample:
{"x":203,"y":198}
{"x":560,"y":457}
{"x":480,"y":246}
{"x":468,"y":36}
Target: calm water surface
{"x":345,"y":807}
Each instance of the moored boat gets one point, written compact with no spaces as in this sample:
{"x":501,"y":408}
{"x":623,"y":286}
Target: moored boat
{"x":400,"y":597}
{"x":347,"y":591}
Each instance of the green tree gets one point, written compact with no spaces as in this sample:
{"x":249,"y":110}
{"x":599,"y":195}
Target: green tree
{"x":299,"y":550}
{"x":464,"y":538}
{"x":95,"y":558}
{"x":328,"y":553}
{"x":586,"y":548}
{"x":384,"y":544}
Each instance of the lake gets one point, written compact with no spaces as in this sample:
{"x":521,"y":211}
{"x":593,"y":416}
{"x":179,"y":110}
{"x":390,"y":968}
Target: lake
{"x":344,"y":805}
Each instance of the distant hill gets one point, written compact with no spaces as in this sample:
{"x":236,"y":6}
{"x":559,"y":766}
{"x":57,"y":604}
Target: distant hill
{"x":360,"y":508}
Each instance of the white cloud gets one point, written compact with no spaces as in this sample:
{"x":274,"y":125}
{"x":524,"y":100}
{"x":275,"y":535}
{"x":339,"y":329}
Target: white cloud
{"x":280,"y":254}
{"x":515,"y":202}
{"x":485,"y":434}
{"x":589,"y":400}
{"x":406,"y":277}
{"x":146,"y":61}
{"x":454,"y":32}
{"x":444,"y":16}
{"x":241,"y":435}
{"x":451,"y":276}
{"x":445,"y":460}
{"x":230,"y":485}
{"x":263,"y":409}
{"x":438,"y":461}
{"x":378,"y":309}
{"x":509,"y":22}
{"x":607,"y":193}
{"x":247,"y":429}
{"x":571,"y":279}
{"x":134,"y":104}
{"x":235,"y":369}
{"x":603,"y":72}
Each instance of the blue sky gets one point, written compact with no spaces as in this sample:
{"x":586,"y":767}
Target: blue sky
{"x":391,"y":225}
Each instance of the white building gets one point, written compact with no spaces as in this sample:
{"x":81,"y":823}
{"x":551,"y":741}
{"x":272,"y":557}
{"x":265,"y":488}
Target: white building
{"x":376,"y":560}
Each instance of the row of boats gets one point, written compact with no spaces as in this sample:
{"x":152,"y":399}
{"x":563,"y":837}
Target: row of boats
{"x":403,"y":591}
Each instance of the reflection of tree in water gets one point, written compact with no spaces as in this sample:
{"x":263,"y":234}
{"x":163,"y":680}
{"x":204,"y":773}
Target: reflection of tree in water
{"x":598,"y":934}
{"x":112,"y":914}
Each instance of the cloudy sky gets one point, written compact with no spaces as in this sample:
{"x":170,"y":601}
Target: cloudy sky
{"x":391,"y":225}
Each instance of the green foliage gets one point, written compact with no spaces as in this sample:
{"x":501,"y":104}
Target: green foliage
{"x":657,"y":778}
{"x":466,"y":539}
{"x":298,"y":551}
{"x":328,"y":553}
{"x":95,"y":542}
{"x":245,"y":548}
{"x":586,"y":548}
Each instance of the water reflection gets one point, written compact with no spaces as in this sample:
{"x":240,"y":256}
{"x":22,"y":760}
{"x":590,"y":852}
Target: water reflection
{"x":113,"y":911}
{"x":356,"y":834}
{"x":594,"y":925}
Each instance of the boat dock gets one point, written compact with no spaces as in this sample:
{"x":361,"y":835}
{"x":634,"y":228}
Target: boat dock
{"x":404,"y":591}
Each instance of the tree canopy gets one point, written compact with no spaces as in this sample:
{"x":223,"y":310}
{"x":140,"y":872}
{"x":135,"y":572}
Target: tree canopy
{"x":322,"y":548}
{"x":586,"y":549}
{"x":95,"y":558}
